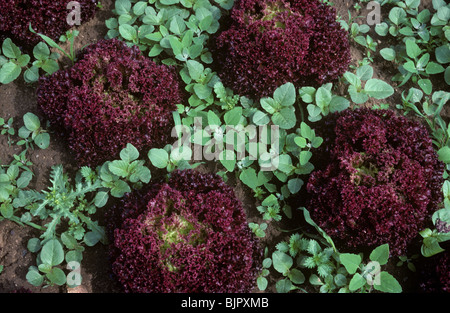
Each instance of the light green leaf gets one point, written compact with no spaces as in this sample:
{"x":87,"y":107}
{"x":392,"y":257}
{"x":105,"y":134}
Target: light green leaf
{"x":177,"y":25}
{"x":57,"y":276}
{"x":128,"y":32}
{"x":41,"y":51}
{"x":9,"y":72}
{"x":388,"y":54}
{"x":129,"y":153}
{"x":285,"y":94}
{"x":100,"y":199}
{"x":378,"y":89}
{"x":285,"y":118}
{"x":10,"y":50}
{"x":350,"y":261}
{"x":388,"y":284}
{"x":119,"y":168}
{"x":52,"y":252}
{"x":31,"y":121}
{"x":356,"y":282}
{"x":282,"y":262}
{"x":158,"y":157}
{"x":380,"y":254}
{"x":412,"y":49}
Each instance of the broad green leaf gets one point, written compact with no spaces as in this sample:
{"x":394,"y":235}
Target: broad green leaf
{"x":202,"y":91}
{"x":270,"y":105}
{"x":7,"y":210}
{"x":248,"y":177}
{"x":9,"y":72}
{"x":158,"y":157}
{"x":295,"y":184}
{"x":282,"y":262}
{"x":350,"y":261}
{"x":10,"y":50}
{"x":34,"y":277}
{"x":426,"y":85}
{"x":338,"y":104}
{"x":34,"y":245}
{"x":92,"y":238}
{"x":31,"y":121}
{"x":177,"y":25}
{"x":296,"y":276}
{"x":305,"y":156}
{"x":57,"y":276}
{"x":233,"y":116}
{"x":380,"y":254}
{"x":139,"y":8}
{"x":356,"y":282}
{"x":100,"y":199}
{"x":260,"y":118}
{"x":378,"y":89}
{"x":443,"y":54}
{"x":128,"y":32}
{"x":31,"y":75}
{"x":42,"y":140}
{"x":119,"y":189}
{"x":283,"y":285}
{"x":285,"y":118}
{"x":122,"y":6}
{"x":388,"y":54}
{"x":444,"y":154}
{"x":119,"y":168}
{"x":412,"y":49}
{"x":434,"y":68}
{"x":262,"y":283}
{"x":195,"y":69}
{"x":364,"y":72}
{"x":397,"y":15}
{"x":323,"y":97}
{"x":285,"y":94}
{"x":213,"y":119}
{"x":52,"y":252}
{"x":24,"y":180}
{"x":41,"y":51}
{"x":69,"y":241}
{"x":129,"y":153}
{"x":388,"y":284}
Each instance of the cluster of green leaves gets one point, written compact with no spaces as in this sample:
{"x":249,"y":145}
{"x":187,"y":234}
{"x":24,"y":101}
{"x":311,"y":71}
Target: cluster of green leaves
{"x":174,"y":32}
{"x":62,"y":213}
{"x":336,"y":272}
{"x":425,"y":48}
{"x":45,"y":62}
{"x":73,"y":204}
{"x":422,"y":54}
{"x":16,"y":176}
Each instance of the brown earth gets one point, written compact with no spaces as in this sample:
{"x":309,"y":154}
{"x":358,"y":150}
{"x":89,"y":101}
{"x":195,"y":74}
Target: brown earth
{"x":18,"y":98}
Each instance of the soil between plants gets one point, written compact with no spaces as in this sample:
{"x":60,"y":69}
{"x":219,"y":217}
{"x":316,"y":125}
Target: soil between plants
{"x":18,"y":98}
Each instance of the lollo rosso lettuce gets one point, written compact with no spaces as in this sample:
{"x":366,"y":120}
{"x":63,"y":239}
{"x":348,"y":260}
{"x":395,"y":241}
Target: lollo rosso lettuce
{"x":112,"y":96}
{"x":46,"y":16}
{"x":188,"y":234}
{"x":377,"y":179}
{"x":267,"y":43}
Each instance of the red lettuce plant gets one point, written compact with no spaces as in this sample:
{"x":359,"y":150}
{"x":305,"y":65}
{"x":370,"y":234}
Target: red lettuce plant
{"x":270,"y":42}
{"x":377,"y":180}
{"x":112,"y":96}
{"x":434,"y":274}
{"x":46,"y":16}
{"x":186,"y":235}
